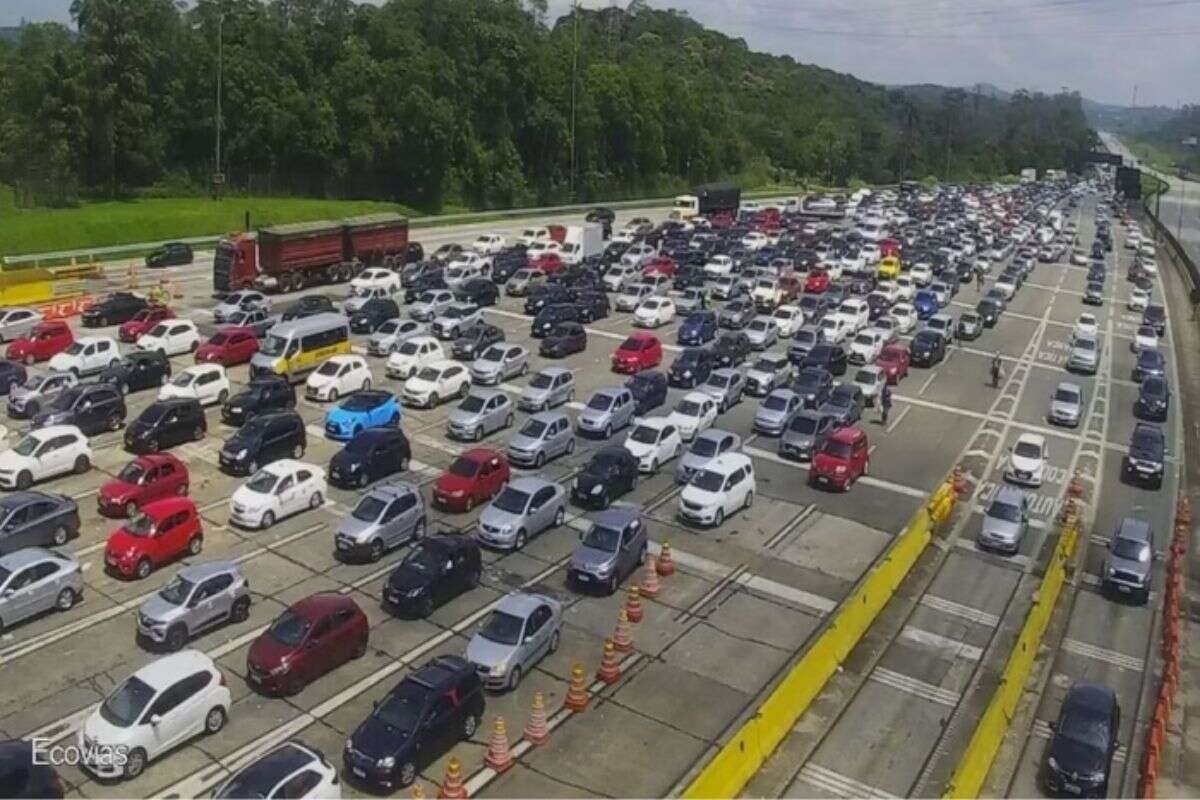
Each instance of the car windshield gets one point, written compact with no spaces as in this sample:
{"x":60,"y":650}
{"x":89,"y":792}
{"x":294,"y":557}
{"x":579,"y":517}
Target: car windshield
{"x":177,"y":591}
{"x":688,"y":408}
{"x":140,"y":525}
{"x":329,"y":368}
{"x":1066,"y":396}
{"x":805,"y":336}
{"x":542,"y":381}
{"x":183,"y":380}
{"x":708,"y":480}
{"x":502,"y":628}
{"x":512,"y":500}
{"x":369,"y":509}
{"x":423,"y":560}
{"x":635,"y":344}
{"x":262,"y":482}
{"x":464,"y":467}
{"x":600,"y":402}
{"x":289,"y":628}
{"x":131,"y":473}
{"x":402,"y":709}
{"x":123,"y":707}
{"x":601,"y":537}
{"x":1005,"y":511}
{"x":644,"y":434}
{"x":805,"y":425}
{"x":1028,"y":450}
{"x":534,"y":429}
{"x":219,"y":339}
{"x":429,"y":374}
{"x":273,"y":345}
{"x":718,"y":381}
{"x":27,"y":446}
{"x":836,"y":449}
{"x":493,"y":354}
{"x":472,"y":404}
{"x":1083,"y":728}
{"x":75,"y":349}
{"x":65,"y":400}
{"x":776,"y":402}
{"x":1131,"y":549}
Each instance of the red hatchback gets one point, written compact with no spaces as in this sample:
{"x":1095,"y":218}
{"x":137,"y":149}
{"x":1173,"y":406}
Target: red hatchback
{"x":841,"y":460}
{"x":163,"y":531}
{"x":548,"y":263}
{"x":640,"y":351}
{"x":894,"y":361}
{"x":143,"y":322}
{"x":817,"y":281}
{"x":661,"y":265}
{"x":474,"y":477}
{"x":143,"y":480}
{"x":44,"y":342}
{"x":316,"y":635}
{"x":229,"y":346}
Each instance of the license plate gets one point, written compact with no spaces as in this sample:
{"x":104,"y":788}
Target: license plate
{"x":1123,"y":588}
{"x":359,"y":772}
{"x":343,"y":545}
{"x":1070,"y":787}
{"x":583,"y":578}
{"x":822,"y":479}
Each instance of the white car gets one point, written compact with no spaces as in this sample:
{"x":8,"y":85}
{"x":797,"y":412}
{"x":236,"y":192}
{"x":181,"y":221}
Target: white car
{"x":834,"y":329}
{"x":1138,"y":300}
{"x":638,"y":254}
{"x":338,"y":376}
{"x":870,"y":252}
{"x":207,"y":383}
{"x":1004,"y":285}
{"x":890,"y":290}
{"x":171,"y":337}
{"x":905,"y":316}
{"x":376,"y":278}
{"x":160,"y":707}
{"x":278,"y":490}
{"x":1027,"y":460}
{"x":886,"y":329}
{"x":1145,"y":337}
{"x":436,"y":382}
{"x":291,"y":771}
{"x":45,"y":453}
{"x":856,"y":312}
{"x":865,"y":347}
{"x":86,"y":356}
{"x":788,"y":319}
{"x":921,"y":274}
{"x":1086,"y":327}
{"x":488,"y":244}
{"x":240,"y":301}
{"x":695,"y":412}
{"x":754,"y":241}
{"x":654,"y":312}
{"x":531,"y":235}
{"x":718,"y":266}
{"x":654,"y":441}
{"x":413,"y":354}
{"x":718,"y":489}
{"x":1150,"y":268}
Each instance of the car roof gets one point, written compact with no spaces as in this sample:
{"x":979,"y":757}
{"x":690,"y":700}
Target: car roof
{"x":167,"y":505}
{"x":546,"y":417}
{"x":522,"y":604}
{"x":727,"y":463}
{"x":198,"y":572}
{"x":161,"y":673}
{"x":1009,"y":495}
{"x":530,"y":484}
{"x":617,"y":517}
{"x":318,"y":605}
{"x":848,"y":434}
{"x":19,"y":559}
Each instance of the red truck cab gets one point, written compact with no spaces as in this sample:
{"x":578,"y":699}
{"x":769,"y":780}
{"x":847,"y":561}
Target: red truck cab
{"x":639,"y":352}
{"x":474,"y":477}
{"x":142,"y":481}
{"x":842,"y":459}
{"x":229,"y":346}
{"x":143,"y":322}
{"x":47,"y":340}
{"x":163,"y":531}
{"x":312,"y":637}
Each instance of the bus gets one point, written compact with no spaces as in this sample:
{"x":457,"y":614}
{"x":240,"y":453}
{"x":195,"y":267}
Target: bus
{"x":294,"y":349}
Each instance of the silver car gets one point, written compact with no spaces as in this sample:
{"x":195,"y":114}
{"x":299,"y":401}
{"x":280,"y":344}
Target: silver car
{"x":386,"y":517}
{"x":1129,"y":560}
{"x":689,"y":300}
{"x":1084,"y":355}
{"x":455,"y":319}
{"x":522,"y":629}
{"x":550,"y":387}
{"x":431,"y":304}
{"x":776,"y":411}
{"x":1005,"y":521}
{"x":38,"y":391}
{"x":522,"y":281}
{"x":725,"y":386}
{"x":34,"y":580}
{"x":239,"y":301}
{"x":632,"y":295}
{"x":768,"y":372}
{"x":1066,"y":406}
{"x":522,"y":510}
{"x":608,"y":410}
{"x":394,"y":333}
{"x":543,"y":436}
{"x":707,"y":446}
{"x":499,"y":363}
{"x":618,"y":275}
{"x":807,"y":431}
{"x":17,"y":323}
{"x":480,"y":413}
{"x":611,"y":549}
{"x":198,"y":598}
{"x":762,"y":333}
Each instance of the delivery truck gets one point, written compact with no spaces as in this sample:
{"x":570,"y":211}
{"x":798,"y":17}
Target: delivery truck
{"x":582,"y":242}
{"x":710,"y":199}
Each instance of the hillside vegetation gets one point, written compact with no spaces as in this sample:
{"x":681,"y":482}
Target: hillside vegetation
{"x":427,"y":102}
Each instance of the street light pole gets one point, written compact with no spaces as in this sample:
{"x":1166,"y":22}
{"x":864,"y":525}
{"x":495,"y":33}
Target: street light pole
{"x":218,"y":177}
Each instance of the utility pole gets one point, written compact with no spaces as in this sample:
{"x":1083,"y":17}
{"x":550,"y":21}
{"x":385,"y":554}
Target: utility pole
{"x":574,"y":79}
{"x":218,"y":176}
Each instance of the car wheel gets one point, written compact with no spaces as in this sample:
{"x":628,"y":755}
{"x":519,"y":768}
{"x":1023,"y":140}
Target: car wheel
{"x":462,"y":390}
{"x":434,"y":400}
{"x":135,"y":762}
{"x":653,"y":465}
{"x":24,"y":480}
{"x":240,"y":611}
{"x":333,"y":395}
{"x":426,"y":609}
{"x":143,"y":568}
{"x":366,"y":385}
{"x":508,"y":421}
{"x":376,"y":550}
{"x":642,"y":556}
{"x":571,"y":446}
{"x":522,"y":538}
{"x":571,"y":396}
{"x":407,"y":774}
{"x":720,"y":518}
{"x":195,"y":345}
{"x":66,"y":599}
{"x":152,"y":444}
{"x":114,"y":424}
{"x":74,"y":371}
{"x":608,"y":431}
{"x":214,"y":721}
{"x":316,"y":501}
{"x":514,"y":680}
{"x":253,"y":467}
{"x":82,"y":464}
{"x":222,"y":396}
{"x":749,"y":500}
{"x":30,"y":360}
{"x":612,"y":584}
{"x":539,"y":460}
{"x":176,"y":638}
{"x":60,"y":536}
{"x":268,"y":519}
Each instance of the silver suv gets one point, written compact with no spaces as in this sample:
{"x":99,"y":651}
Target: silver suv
{"x":608,"y":410}
{"x":500,"y":362}
{"x":726,"y":387}
{"x":550,"y":387}
{"x":386,"y":517}
{"x":199,"y":597}
{"x":34,"y":580}
{"x":611,"y":549}
{"x":1084,"y":355}
{"x":26,"y":400}
{"x":1130,"y":556}
{"x":1005,"y":521}
{"x":480,"y":413}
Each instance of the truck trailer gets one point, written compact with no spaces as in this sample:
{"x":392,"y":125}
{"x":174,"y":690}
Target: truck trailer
{"x":709,"y":199}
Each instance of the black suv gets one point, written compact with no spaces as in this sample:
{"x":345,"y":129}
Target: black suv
{"x":475,"y":339}
{"x":427,"y":281}
{"x":138,"y":371}
{"x":547,"y":294}
{"x":1156,"y":317}
{"x":431,"y":710}
{"x":172,"y":254}
{"x":436,"y":570}
{"x":1154,"y":399}
{"x":612,"y":472}
{"x":1146,"y":459}
{"x":989,"y":312}
{"x":732,"y":349}
{"x":814,"y":384}
{"x":374,"y":313}
{"x":36,"y":519}
{"x":593,"y":305}
{"x":92,"y":408}
{"x":552,"y":315}
{"x":564,"y":339}
{"x":263,"y":439}
{"x":166,"y":423}
{"x":308,"y":306}
{"x":1083,"y":741}
{"x":478,"y":291}
{"x":649,"y":390}
{"x":264,"y":394}
{"x":373,"y":454}
{"x":927,"y":349}
{"x":115,"y":309}
{"x":690,"y":368}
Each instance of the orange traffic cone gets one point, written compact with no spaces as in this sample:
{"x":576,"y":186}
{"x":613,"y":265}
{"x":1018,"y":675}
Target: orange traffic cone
{"x":650,"y":586}
{"x":498,"y":756}
{"x":633,"y":605}
{"x":417,"y":792}
{"x":664,"y":565}
{"x":536,"y":730}
{"x":622,"y":637}
{"x":452,"y":784}
{"x":577,"y":694}
{"x":610,"y":668}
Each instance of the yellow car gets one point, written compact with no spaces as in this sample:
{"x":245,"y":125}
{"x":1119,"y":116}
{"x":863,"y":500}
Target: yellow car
{"x":889,"y":268}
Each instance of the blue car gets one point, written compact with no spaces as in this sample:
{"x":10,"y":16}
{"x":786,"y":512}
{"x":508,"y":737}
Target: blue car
{"x":359,"y":411}
{"x":699,"y":328}
{"x":926,"y":304}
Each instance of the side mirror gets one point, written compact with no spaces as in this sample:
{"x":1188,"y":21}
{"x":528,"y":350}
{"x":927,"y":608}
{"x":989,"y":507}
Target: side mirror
{"x":155,"y":719}
{"x":7,"y":593}
{"x":1054,"y":725}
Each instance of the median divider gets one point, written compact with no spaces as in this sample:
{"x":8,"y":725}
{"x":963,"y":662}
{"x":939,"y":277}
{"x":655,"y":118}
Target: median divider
{"x":737,"y":761}
{"x":976,"y":761}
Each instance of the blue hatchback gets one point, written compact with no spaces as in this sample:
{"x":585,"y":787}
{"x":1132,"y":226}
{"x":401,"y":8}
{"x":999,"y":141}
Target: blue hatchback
{"x":699,"y":328}
{"x":926,"y":304}
{"x":362,"y":410}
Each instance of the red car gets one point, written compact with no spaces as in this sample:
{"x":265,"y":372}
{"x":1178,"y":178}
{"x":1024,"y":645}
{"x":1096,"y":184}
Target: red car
{"x":889,"y":247}
{"x":842,"y":459}
{"x":548,"y":263}
{"x":143,"y":322}
{"x":228,"y":346}
{"x":142,"y":481}
{"x":817,"y":281}
{"x":44,"y":342}
{"x":474,"y":477}
{"x":893,"y":360}
{"x":661,"y":265}
{"x":640,"y":351}
{"x":163,"y":531}
{"x":316,"y":635}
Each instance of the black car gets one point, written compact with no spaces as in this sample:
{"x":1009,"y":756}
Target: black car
{"x":431,"y":710}
{"x":552,"y":315}
{"x":263,"y":395}
{"x":845,"y":404}
{"x":117,"y":308}
{"x":308,"y":306}
{"x":814,"y":385}
{"x":1149,"y":363}
{"x":690,"y":277}
{"x":166,"y":423}
{"x":436,"y":570}
{"x":732,"y":349}
{"x":478,"y":291}
{"x":11,"y":374}
{"x":1096,"y":274}
{"x":690,"y":368}
{"x":605,"y":216}
{"x":418,"y":270}
{"x":506,"y":263}
{"x":138,"y":371}
{"x":927,"y":349}
{"x":172,"y":254}
{"x":21,"y":777}
{"x":1083,"y":741}
{"x":564,"y":339}
{"x":425,"y":283}
{"x":989,"y":312}
{"x":1154,"y":399}
{"x":593,"y":305}
{"x":827,"y":356}
{"x":547,"y":294}
{"x":1156,"y":317}
{"x":1145,"y":461}
{"x":92,"y":407}
{"x":448,"y":252}
{"x":612,"y":472}
{"x":737,"y":314}
{"x":373,"y":454}
{"x":374,"y":313}
{"x":475,"y":339}
{"x":36,"y":519}
{"x":649,"y":390}
{"x":263,"y":439}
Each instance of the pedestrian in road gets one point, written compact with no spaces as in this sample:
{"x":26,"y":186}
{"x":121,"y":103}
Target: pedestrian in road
{"x":885,"y":402}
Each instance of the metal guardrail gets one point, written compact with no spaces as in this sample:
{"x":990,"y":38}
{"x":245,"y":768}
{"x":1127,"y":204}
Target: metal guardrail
{"x":1175,"y":250}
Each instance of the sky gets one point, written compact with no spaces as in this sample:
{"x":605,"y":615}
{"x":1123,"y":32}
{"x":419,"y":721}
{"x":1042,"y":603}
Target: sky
{"x":1102,"y":48}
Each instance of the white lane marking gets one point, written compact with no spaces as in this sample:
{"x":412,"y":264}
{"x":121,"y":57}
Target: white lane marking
{"x":959,"y":610}
{"x":670,"y":348}
{"x":869,"y":480}
{"x":899,"y":418}
{"x":840,"y":785}
{"x":915,"y":687}
{"x":935,"y":641}
{"x":924,"y":386}
{"x":1119,"y":660}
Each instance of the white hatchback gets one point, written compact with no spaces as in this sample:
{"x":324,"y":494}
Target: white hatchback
{"x":695,"y":412}
{"x":45,"y":453}
{"x":654,"y":441}
{"x":407,"y":359}
{"x":171,"y":337}
{"x":207,"y":383}
{"x":338,"y":376}
{"x":654,"y":312}
{"x":87,"y":355}
{"x":718,"y":489}
{"x":436,"y":382}
{"x":787,"y":319}
{"x":278,"y":490}
{"x":376,"y":278}
{"x":905,"y":316}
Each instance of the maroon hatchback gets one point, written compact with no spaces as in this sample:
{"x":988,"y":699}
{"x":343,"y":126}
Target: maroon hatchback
{"x":314,"y":636}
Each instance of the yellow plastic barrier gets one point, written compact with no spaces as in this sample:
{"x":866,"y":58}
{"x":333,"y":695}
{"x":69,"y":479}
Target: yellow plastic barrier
{"x":26,"y":288}
{"x":741,"y":757}
{"x":976,"y":761}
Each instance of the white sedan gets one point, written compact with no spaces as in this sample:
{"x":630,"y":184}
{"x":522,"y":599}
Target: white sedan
{"x":338,"y":376}
{"x":413,"y":354}
{"x":1027,"y":460}
{"x":1145,"y":337}
{"x":376,"y":278}
{"x":436,"y":382}
{"x":653,"y":442}
{"x":718,"y":266}
{"x":278,"y":490}
{"x":694,"y":413}
{"x":1086,"y":327}
{"x":171,"y":337}
{"x":905,"y":316}
{"x":207,"y":383}
{"x":654,"y":312}
{"x":45,"y":453}
{"x":787,"y":319}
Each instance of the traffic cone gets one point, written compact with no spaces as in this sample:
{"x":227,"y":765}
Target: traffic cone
{"x":650,"y":586}
{"x":633,"y":605}
{"x":536,"y":730}
{"x":1075,"y":485}
{"x":452,"y":784}
{"x":610,"y":668}
{"x":577,"y":694}
{"x":498,"y":756}
{"x":417,"y":792}
{"x":665,"y":565}
{"x":622,"y":637}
